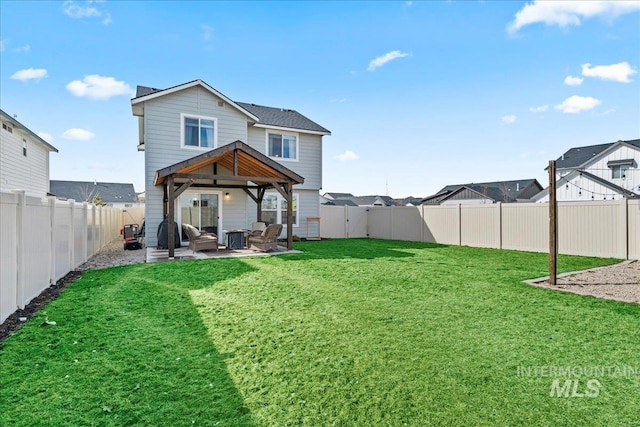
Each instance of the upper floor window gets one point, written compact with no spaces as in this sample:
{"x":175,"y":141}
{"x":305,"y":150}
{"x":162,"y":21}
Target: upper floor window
{"x":198,"y":131}
{"x":24,"y":147}
{"x":282,"y":145}
{"x":620,"y":168}
{"x":619,"y":172}
{"x":7,"y":128}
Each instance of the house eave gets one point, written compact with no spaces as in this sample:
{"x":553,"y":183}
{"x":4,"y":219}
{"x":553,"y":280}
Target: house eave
{"x":141,"y":99}
{"x":312,"y":132}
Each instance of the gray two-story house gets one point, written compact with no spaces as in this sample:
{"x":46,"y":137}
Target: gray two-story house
{"x":219,"y":164}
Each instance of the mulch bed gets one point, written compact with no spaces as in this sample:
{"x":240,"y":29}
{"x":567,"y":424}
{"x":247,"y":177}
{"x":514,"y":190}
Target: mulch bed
{"x":13,"y":322}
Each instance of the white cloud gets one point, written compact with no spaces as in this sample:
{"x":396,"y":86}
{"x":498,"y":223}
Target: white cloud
{"x":47,"y":137}
{"x":99,"y":87}
{"x":387,"y":57}
{"x":207,"y":32}
{"x":565,"y":13}
{"x":347,"y":155}
{"x":76,"y":11}
{"x":573,"y":81}
{"x":509,"y":119}
{"x":77,"y":134}
{"x":576,"y":104}
{"x":24,"y":49}
{"x":540,"y":109}
{"x":29,"y":74}
{"x":619,"y":72}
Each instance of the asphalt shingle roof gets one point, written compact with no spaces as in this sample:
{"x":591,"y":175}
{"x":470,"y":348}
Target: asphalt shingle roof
{"x":84,"y":191}
{"x":281,"y":117}
{"x":577,"y":156}
{"x":500,"y":191}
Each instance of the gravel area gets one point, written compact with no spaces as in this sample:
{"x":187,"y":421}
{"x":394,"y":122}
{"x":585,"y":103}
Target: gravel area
{"x":620,"y":282}
{"x":113,"y":254}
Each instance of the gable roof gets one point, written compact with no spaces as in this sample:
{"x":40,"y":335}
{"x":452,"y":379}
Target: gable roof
{"x":498,"y":191}
{"x":602,"y":181}
{"x":249,"y":163}
{"x":340,"y":202}
{"x":85,"y":191}
{"x":338,"y":195}
{"x":16,"y":124}
{"x":262,"y":116}
{"x":579,"y":156}
{"x":144,"y":93}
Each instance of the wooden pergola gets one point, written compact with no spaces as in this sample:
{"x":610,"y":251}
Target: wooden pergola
{"x":234,"y":165}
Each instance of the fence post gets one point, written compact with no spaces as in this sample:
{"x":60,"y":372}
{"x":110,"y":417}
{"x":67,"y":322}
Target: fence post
{"x":85,"y":227}
{"x":624,"y":227}
{"x":52,"y":249}
{"x":20,"y":239}
{"x":459,"y":224}
{"x":499,"y":225}
{"x":72,"y":213}
{"x":346,"y":221}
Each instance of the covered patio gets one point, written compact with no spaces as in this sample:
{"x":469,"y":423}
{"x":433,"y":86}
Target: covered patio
{"x":234,"y":165}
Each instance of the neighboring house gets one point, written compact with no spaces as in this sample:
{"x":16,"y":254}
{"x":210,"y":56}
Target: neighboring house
{"x":597,"y":172}
{"x":112,"y":194}
{"x":24,"y":158}
{"x":221,"y":164}
{"x":485,"y":193}
{"x":336,"y":196}
{"x":409,"y":201}
{"x":340,"y":202}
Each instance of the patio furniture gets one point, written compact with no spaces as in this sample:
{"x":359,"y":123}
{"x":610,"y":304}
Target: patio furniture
{"x":267,"y":240}
{"x":200,"y":240}
{"x":257,"y":228}
{"x":235,"y":239}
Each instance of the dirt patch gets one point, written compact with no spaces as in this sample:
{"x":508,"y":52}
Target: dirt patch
{"x":619,"y":282}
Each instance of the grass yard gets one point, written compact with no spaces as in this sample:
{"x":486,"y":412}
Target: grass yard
{"x":348,"y":333}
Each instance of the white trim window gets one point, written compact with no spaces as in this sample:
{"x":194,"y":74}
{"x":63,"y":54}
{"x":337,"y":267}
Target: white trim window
{"x":198,"y":131}
{"x":274,"y":209}
{"x":282,"y":145}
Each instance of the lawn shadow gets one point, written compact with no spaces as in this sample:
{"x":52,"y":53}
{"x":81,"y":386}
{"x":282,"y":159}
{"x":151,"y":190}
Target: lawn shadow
{"x":139,"y":344}
{"x":361,"y":248}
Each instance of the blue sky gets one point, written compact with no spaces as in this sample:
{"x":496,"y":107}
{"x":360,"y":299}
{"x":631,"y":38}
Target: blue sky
{"x":417,"y":94}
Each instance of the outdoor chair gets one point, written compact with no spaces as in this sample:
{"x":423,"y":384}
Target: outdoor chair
{"x":257,"y":228}
{"x":200,"y":240}
{"x":267,"y":240}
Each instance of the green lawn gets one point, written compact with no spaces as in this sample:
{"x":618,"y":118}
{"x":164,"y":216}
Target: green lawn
{"x":348,"y":333}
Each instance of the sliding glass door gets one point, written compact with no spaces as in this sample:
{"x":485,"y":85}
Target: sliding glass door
{"x":202,"y":209}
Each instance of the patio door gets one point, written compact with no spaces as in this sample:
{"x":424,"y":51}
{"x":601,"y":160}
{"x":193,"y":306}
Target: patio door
{"x":202,"y":209}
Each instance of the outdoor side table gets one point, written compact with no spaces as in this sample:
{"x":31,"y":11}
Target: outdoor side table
{"x":235,"y":239}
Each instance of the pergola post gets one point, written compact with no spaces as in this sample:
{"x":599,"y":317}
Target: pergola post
{"x":289,"y":190}
{"x":171,"y":237}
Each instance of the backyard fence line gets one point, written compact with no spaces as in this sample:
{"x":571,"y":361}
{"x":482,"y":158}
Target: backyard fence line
{"x":41,"y":240}
{"x":608,"y":228}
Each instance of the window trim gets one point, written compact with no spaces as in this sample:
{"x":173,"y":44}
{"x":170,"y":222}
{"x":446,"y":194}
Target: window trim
{"x":184,"y":116}
{"x":282,"y":133}
{"x":623,"y":170}
{"x":279,"y":211}
{"x":24,"y":147}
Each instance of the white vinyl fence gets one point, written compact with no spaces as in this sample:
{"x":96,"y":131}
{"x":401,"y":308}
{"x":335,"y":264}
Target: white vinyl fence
{"x":608,"y":228}
{"x":43,"y":240}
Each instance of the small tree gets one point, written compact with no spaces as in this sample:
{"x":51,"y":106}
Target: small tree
{"x":97,"y":200}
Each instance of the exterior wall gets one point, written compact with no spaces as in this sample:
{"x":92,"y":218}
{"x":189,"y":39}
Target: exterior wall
{"x":574,"y":187}
{"x":309,"y":163}
{"x":162,"y":127}
{"x":17,"y":172}
{"x":600,"y":168}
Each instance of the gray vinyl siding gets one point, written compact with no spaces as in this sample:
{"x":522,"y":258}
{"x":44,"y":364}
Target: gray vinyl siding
{"x":309,"y":164}
{"x":19,"y":172}
{"x":308,"y":206}
{"x":162,"y":126}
